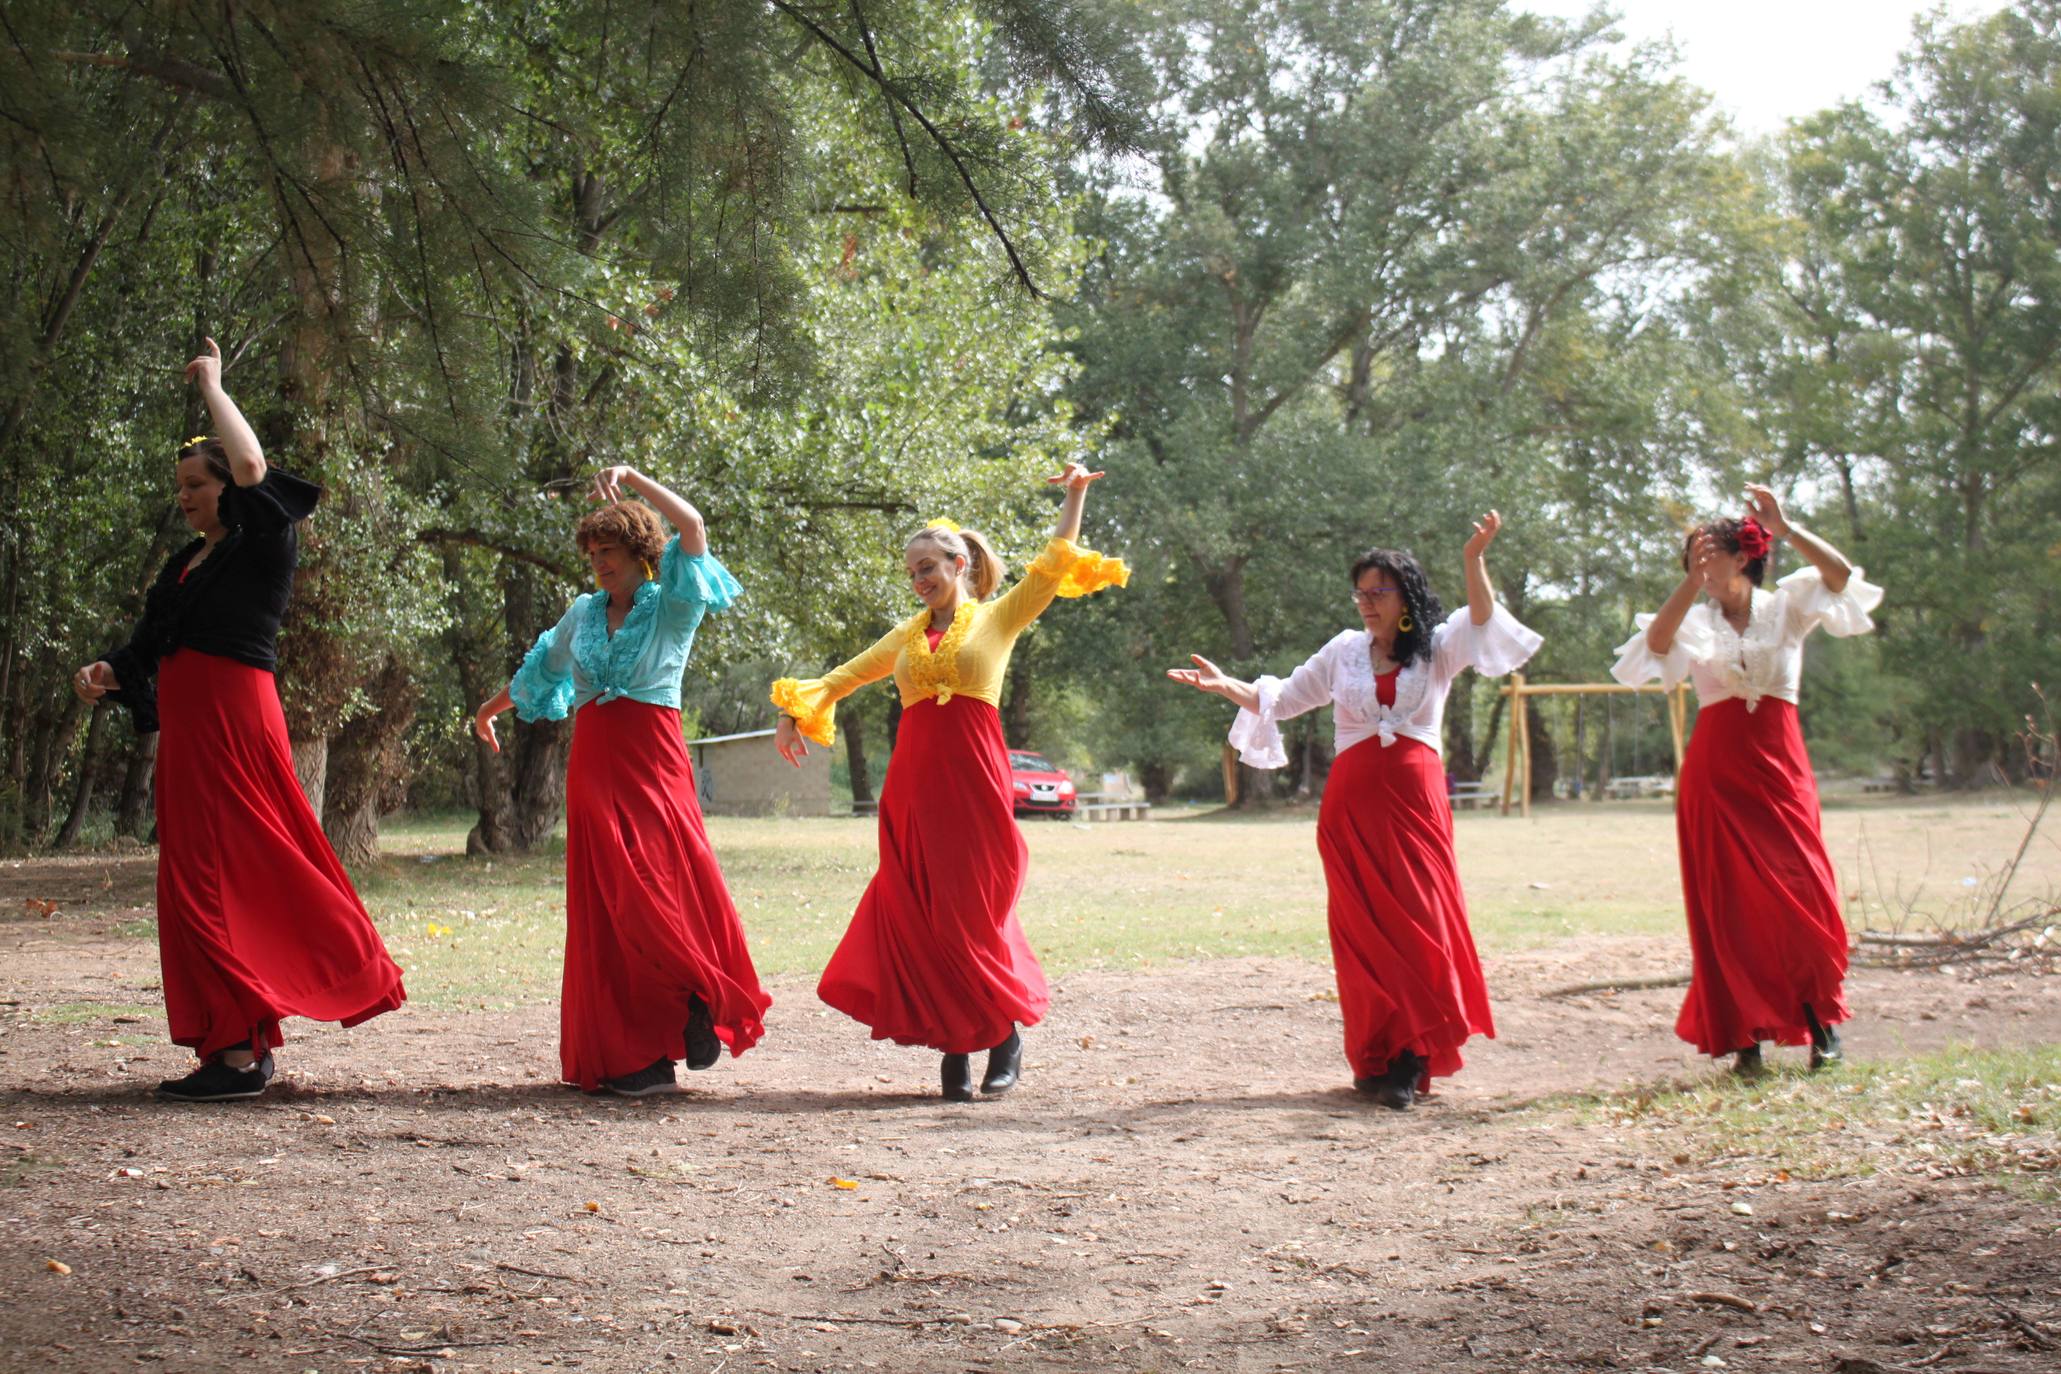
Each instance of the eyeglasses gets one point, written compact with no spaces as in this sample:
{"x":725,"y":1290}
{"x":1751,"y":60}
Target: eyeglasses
{"x":1367,"y":596}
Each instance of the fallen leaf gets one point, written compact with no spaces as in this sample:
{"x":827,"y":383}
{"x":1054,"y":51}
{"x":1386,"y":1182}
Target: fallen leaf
{"x":845,"y":1183}
{"x":57,"y":1266}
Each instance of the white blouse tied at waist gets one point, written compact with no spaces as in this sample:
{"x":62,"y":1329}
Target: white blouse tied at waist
{"x":1765,"y":661}
{"x":1341,"y":675}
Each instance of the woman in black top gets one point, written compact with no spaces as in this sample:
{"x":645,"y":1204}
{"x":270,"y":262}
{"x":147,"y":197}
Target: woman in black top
{"x":256,"y":919}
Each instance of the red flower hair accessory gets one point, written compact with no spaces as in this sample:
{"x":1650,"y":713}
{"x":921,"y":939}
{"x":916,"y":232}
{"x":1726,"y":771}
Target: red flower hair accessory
{"x":1754,"y":540}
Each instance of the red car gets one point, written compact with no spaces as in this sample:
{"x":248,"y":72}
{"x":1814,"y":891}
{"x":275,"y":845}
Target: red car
{"x":1041,"y":787}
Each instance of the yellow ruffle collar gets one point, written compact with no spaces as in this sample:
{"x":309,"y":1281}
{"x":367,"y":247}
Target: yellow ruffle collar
{"x":936,"y":672}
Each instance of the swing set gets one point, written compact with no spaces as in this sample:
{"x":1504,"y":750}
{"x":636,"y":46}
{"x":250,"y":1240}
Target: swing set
{"x":1517,"y":756}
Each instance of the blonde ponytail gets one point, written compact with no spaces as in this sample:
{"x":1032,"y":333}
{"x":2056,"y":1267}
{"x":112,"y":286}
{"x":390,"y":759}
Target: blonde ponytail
{"x":984,"y":567}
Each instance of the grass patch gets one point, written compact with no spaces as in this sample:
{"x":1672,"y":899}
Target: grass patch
{"x":489,"y":933}
{"x":1959,"y":1111}
{"x":80,"y":1013}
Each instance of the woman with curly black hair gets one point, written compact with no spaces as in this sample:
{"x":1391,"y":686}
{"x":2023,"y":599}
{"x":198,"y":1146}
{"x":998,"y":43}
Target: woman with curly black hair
{"x":1767,"y":941}
{"x":1409,"y":981}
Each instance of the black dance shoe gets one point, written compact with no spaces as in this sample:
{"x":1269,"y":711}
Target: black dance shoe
{"x":1005,"y":1064}
{"x":956,"y":1076}
{"x":1825,"y":1047}
{"x":655,"y":1077}
{"x":214,"y":1081}
{"x":1396,"y":1087}
{"x":703,"y":1049}
{"x":1747,"y":1062}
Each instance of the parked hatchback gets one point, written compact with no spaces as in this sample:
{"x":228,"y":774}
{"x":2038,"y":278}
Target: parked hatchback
{"x":1040,"y":786}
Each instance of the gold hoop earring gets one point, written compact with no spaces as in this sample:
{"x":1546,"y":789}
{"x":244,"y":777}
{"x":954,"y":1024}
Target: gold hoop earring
{"x":649,"y":575}
{"x":1406,"y":624}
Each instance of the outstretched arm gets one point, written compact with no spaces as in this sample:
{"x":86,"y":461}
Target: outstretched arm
{"x":239,"y":440}
{"x":609,"y":484}
{"x":1481,"y":596}
{"x":1830,"y":562}
{"x":1207,"y":677}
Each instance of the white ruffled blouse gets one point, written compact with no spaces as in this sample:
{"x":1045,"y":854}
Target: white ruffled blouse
{"x":1767,"y":659}
{"x":1341,"y":675}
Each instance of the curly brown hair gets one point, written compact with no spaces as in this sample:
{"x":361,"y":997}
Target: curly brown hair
{"x":631,"y":525}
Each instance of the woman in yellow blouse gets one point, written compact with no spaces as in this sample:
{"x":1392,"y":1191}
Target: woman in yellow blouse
{"x":934,"y":955}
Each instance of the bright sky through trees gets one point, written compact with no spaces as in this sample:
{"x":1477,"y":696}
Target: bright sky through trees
{"x":1768,"y":61}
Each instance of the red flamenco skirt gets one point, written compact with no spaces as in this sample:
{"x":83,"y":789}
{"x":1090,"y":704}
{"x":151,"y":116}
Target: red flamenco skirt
{"x":256,"y":919}
{"x":1408,"y":976}
{"x":934,"y":955}
{"x":1764,"y":924}
{"x":648,"y":919}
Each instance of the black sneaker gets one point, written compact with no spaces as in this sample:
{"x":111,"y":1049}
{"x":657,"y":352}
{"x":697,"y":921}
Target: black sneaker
{"x":1747,"y":1062}
{"x":703,"y":1049}
{"x":214,"y":1081}
{"x":655,"y":1077}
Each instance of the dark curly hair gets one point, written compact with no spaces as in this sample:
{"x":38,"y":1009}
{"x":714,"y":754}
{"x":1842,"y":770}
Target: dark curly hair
{"x":632,"y":525}
{"x":1726,"y":533}
{"x":1420,"y":603}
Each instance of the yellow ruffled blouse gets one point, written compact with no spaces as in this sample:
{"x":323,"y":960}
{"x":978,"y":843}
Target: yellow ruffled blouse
{"x":972,"y":658}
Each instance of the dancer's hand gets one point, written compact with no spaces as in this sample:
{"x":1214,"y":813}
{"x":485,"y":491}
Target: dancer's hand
{"x":1075,"y":478}
{"x":95,"y":681}
{"x":1204,"y":676}
{"x":1764,"y":506}
{"x":1485,"y":531}
{"x":608,"y":483}
{"x":1704,"y":550}
{"x":483,"y":725}
{"x":205,"y":371}
{"x":787,"y":738}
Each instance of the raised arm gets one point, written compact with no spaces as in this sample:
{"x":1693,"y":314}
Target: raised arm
{"x":1831,"y":564}
{"x":609,"y":484}
{"x":1481,"y":595}
{"x":1660,"y":635}
{"x":1076,"y":479}
{"x":239,"y":440}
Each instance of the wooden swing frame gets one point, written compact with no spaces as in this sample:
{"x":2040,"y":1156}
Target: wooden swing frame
{"x":1517,"y":756}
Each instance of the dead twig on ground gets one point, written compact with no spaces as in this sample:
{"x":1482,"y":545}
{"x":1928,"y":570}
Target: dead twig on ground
{"x":1672,"y":980}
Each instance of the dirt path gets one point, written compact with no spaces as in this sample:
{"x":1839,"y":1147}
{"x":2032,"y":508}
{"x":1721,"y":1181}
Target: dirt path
{"x":1183,"y":1182}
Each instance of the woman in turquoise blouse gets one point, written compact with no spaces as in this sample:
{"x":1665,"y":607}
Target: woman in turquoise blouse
{"x":656,"y":967}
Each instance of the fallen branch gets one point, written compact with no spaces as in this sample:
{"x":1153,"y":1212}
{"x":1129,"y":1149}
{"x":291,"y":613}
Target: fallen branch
{"x":1672,"y":980}
{"x":1732,"y":1300}
{"x":535,"y":1273}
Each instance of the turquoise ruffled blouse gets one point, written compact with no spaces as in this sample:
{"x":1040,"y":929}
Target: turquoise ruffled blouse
{"x":578,"y":660}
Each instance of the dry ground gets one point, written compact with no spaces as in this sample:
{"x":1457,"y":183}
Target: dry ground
{"x":1183,"y":1182}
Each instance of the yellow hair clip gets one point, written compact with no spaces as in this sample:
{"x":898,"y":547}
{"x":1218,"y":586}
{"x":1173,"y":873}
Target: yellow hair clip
{"x":948,"y":526}
{"x":196,"y":439}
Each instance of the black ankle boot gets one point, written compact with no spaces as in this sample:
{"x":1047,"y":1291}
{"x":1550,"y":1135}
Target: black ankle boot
{"x":1396,"y":1087}
{"x":1747,"y":1062}
{"x":1004,"y":1063}
{"x":1825,"y":1047}
{"x":703,"y":1049}
{"x":956,"y":1076}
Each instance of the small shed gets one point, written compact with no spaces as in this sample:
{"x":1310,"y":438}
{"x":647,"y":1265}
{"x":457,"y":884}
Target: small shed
{"x":744,"y":775}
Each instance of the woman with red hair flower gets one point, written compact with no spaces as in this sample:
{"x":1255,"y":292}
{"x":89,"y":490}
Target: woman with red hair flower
{"x":1765,"y":933}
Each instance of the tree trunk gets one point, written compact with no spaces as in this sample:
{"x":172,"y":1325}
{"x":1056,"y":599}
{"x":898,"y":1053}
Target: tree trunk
{"x":311,"y":767}
{"x":1016,"y":707}
{"x":1461,"y":759}
{"x":1225,"y":583}
{"x":137,"y":813}
{"x":1157,"y":779}
{"x":855,"y":756}
{"x":89,"y":767}
{"x":364,"y":759}
{"x":1545,"y":764}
